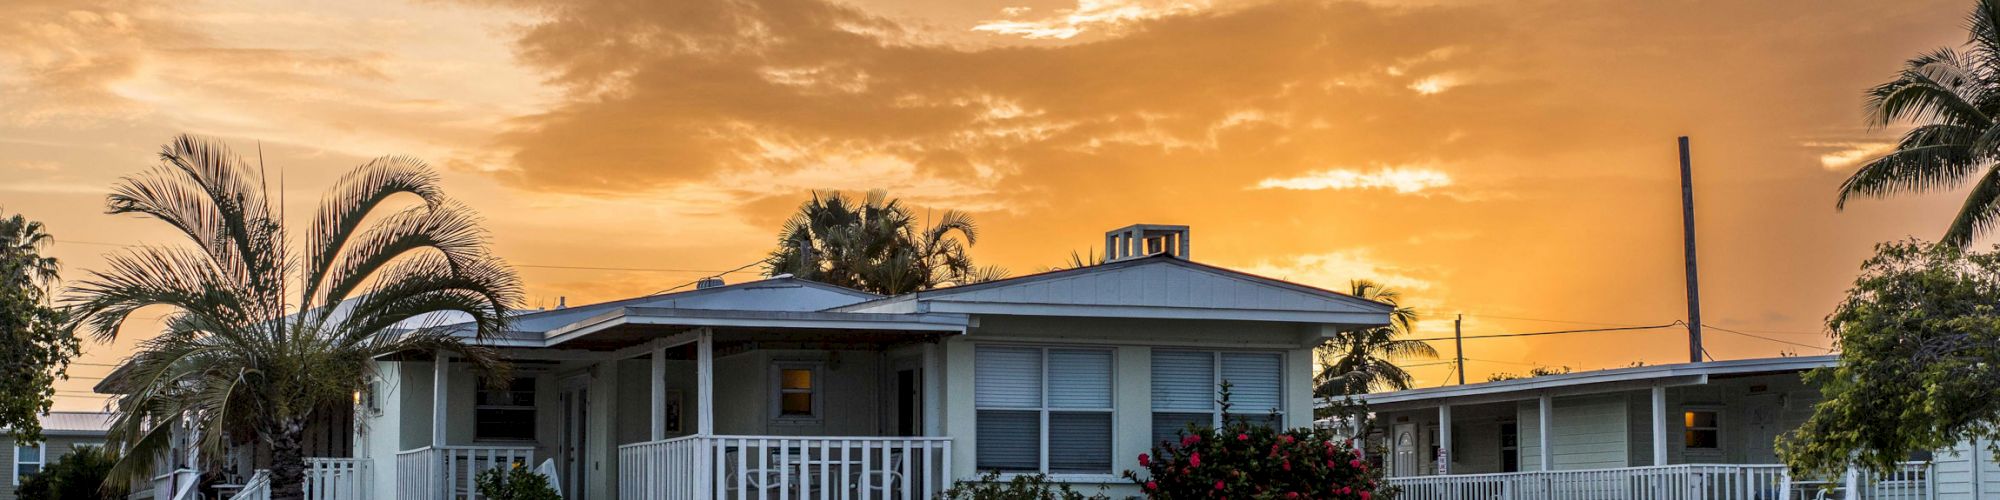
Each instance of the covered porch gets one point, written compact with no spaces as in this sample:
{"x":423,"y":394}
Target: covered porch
{"x":664,"y":403}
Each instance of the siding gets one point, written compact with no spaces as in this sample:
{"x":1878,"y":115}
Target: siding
{"x":1589,"y":433}
{"x":54,"y":446}
{"x":1955,"y":476}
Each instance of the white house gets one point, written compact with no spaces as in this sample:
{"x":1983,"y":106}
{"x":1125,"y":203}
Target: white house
{"x":1691,"y":430}
{"x":62,"y":432}
{"x":787,"y":388}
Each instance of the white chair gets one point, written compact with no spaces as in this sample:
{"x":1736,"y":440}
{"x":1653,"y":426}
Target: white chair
{"x":756,"y":478}
{"x":883,"y":485}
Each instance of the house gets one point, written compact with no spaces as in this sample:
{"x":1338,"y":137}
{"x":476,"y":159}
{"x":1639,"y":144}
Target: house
{"x":784,"y":387}
{"x":1690,"y":430}
{"x":62,"y":432}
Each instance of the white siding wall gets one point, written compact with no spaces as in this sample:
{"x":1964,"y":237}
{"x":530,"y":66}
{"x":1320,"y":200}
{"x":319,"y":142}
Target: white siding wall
{"x":1589,"y":433}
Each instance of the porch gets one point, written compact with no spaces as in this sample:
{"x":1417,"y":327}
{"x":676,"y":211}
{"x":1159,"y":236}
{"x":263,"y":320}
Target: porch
{"x":668,"y":410}
{"x":1910,"y":481}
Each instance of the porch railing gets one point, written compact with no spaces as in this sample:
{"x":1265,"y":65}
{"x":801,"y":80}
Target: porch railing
{"x":257,"y":488}
{"x":447,"y":473}
{"x":1911,"y":481}
{"x":785,"y":468}
{"x":336,"y":478}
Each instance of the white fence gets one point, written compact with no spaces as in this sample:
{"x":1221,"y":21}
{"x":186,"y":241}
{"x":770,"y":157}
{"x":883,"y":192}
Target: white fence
{"x":1910,"y":481}
{"x":448,"y":473}
{"x":785,"y":468}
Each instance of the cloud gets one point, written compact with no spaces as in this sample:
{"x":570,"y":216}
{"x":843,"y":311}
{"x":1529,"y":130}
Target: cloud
{"x":1841,"y":156}
{"x":1087,"y":15}
{"x":1434,"y":84}
{"x":1334,"y":270}
{"x":1402,"y":180}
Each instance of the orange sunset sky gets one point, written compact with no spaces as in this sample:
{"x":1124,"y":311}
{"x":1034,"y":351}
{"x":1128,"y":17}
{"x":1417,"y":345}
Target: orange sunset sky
{"x":1511,"y":161}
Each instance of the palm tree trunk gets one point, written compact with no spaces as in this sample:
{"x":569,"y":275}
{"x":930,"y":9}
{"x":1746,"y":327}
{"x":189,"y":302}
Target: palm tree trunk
{"x":288,"y":461}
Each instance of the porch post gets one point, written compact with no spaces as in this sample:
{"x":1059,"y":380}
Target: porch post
{"x":659,"y":392}
{"x":440,"y":369}
{"x":1547,"y":414}
{"x":1444,"y":440}
{"x":933,"y":391}
{"x":705,"y":377}
{"x":1659,"y":425}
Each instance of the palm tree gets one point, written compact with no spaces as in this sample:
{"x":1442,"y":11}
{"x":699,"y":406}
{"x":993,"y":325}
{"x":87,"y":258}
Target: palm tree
{"x":877,"y":245}
{"x":1361,"y":361}
{"x":32,"y":338}
{"x":1952,"y":98}
{"x":259,"y":338}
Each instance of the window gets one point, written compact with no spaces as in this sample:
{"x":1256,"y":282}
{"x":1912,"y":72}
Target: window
{"x":1043,"y":409}
{"x":1187,"y":388}
{"x":1510,"y":447}
{"x":506,"y":413}
{"x":1704,"y":430}
{"x":28,"y":460}
{"x":795,"y":391}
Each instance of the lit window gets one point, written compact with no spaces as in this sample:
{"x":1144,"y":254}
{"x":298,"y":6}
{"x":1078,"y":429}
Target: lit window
{"x":796,"y":391}
{"x":28,"y":460}
{"x":1704,"y":431}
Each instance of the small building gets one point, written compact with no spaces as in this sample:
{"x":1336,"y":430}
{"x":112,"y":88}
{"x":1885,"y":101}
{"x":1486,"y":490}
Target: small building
{"x":62,"y":431}
{"x":1690,"y":430}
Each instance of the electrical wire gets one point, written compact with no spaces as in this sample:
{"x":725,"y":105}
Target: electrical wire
{"x":717,"y":275}
{"x":1555,"y":332}
{"x":1760,"y":337}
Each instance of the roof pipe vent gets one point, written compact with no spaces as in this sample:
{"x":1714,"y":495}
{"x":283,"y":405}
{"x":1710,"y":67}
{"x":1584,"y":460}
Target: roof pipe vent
{"x":1142,"y":240}
{"x":709,"y":282}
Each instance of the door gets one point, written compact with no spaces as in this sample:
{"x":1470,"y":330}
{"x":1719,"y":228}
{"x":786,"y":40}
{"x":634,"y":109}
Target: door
{"x":1404,"y":459}
{"x":909,"y":389}
{"x":571,"y":463}
{"x":1761,"y":428}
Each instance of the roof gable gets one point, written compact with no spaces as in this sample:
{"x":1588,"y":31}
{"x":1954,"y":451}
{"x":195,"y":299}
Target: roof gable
{"x":1159,"y":286}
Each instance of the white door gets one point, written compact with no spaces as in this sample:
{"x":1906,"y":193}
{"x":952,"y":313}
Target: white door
{"x":570,"y":460}
{"x":1762,"y":429}
{"x":1404,"y":459}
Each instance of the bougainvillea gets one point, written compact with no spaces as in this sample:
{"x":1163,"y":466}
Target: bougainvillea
{"x":1247,"y":461}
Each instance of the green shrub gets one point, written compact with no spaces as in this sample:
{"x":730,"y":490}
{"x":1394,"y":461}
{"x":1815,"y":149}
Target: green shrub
{"x":515,"y":483}
{"x":1022,"y":487}
{"x":78,"y":475}
{"x":1246,"y":461}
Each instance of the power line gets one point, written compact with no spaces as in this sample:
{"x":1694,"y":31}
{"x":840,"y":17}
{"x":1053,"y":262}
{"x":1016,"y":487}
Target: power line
{"x":1809,"y":346}
{"x":1558,"y":332}
{"x":711,"y":272}
{"x":717,"y":275}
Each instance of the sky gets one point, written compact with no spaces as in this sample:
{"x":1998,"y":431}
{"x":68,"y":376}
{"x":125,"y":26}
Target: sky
{"x":1510,"y":161}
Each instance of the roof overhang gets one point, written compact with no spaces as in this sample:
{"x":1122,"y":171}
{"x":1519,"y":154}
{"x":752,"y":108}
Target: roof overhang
{"x":1592,"y":382}
{"x":1150,"y":312}
{"x":933,"y":323}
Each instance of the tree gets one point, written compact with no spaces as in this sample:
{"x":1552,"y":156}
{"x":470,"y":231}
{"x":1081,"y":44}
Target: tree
{"x":1539,"y":371}
{"x":1951,"y":97}
{"x":877,"y":245}
{"x":79,"y":475}
{"x":1919,"y":337}
{"x":35,"y":348}
{"x":1361,"y":361}
{"x":260,"y":338}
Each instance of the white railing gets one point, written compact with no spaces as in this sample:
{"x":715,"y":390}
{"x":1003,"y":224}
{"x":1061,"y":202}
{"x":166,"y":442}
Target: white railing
{"x":257,"y":488}
{"x":335,"y":478}
{"x":785,"y":468}
{"x":448,"y":473}
{"x":1910,"y":481}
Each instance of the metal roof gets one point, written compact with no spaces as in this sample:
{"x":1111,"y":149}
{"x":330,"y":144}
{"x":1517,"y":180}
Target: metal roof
{"x":1617,"y":379}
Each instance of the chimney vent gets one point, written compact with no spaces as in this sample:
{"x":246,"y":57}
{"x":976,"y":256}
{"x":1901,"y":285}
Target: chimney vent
{"x":709,"y":282}
{"x":1141,"y":240}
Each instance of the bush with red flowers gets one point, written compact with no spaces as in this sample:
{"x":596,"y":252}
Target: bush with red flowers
{"x":1246,"y":461}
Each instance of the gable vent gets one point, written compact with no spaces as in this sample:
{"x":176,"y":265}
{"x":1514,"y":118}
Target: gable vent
{"x":1141,"y":240}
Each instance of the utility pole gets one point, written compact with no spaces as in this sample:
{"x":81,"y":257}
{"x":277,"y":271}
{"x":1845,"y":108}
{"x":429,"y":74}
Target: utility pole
{"x":1458,"y":342}
{"x":1687,"y":232}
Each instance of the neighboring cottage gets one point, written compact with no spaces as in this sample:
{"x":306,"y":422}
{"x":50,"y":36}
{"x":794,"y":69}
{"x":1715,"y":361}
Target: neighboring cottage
{"x":62,"y":431}
{"x":1690,"y":430}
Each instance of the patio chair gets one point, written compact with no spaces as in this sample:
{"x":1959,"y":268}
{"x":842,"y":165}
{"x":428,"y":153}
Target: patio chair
{"x":765,"y":481}
{"x":876,"y":480}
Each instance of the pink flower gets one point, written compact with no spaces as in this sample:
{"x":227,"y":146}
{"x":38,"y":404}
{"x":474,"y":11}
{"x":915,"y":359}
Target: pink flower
{"x":1190,"y":440}
{"x":1150,"y":486}
{"x":1344,"y":490}
{"x":1287,"y":465}
{"x":1365,"y":495}
{"x":1354,"y":462}
{"x":1218,"y":484}
{"x":1145,"y":461}
{"x":1287,"y":439}
{"x":1194,"y":460}
{"x":1291,"y":494}
{"x":1243,"y":437}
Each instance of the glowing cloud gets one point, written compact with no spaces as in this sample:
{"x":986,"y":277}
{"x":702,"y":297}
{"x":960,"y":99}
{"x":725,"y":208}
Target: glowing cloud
{"x":1405,"y":180}
{"x":1849,"y":154}
{"x":1434,"y":84}
{"x":1088,"y":14}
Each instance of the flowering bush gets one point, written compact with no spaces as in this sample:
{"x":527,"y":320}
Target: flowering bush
{"x":1021,"y":487}
{"x":514,"y":483}
{"x":1246,"y":461}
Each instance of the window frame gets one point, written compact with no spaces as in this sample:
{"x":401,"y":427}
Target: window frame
{"x":1720,"y":443}
{"x":533,"y":409}
{"x":1044,"y":410}
{"x":41,"y":464}
{"x":1216,"y":415}
{"x":817,"y":392}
